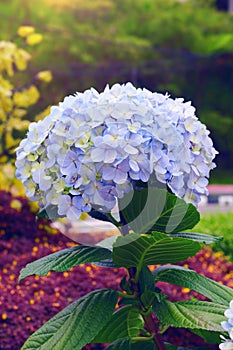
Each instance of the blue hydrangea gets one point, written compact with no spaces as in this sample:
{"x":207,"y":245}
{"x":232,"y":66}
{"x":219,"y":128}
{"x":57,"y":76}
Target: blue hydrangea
{"x":228,"y":327}
{"x":92,"y":147}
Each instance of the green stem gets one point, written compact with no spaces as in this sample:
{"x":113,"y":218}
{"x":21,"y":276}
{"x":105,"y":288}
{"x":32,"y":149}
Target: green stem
{"x":153,"y":328}
{"x":134,"y":277}
{"x":147,"y":313}
{"x":136,"y":339}
{"x":128,"y":296}
{"x":148,"y":318}
{"x":139,"y":268}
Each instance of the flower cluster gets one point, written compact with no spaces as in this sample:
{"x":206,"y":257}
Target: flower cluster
{"x":228,"y":327}
{"x":93,"y":146}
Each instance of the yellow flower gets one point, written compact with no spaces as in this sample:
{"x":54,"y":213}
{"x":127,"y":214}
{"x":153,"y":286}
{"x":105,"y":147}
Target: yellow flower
{"x":27,"y":97}
{"x":185,"y":290}
{"x":21,"y":59}
{"x":19,"y":113}
{"x":34,"y":207}
{"x":17,"y":124}
{"x":5,"y":87}
{"x":11,"y":142}
{"x":45,"y":76}
{"x":34,"y":39}
{"x":6,"y":104}
{"x":9,"y":171}
{"x":7,"y":50}
{"x":4,"y":316}
{"x":16,"y":204}
{"x":24,"y":31}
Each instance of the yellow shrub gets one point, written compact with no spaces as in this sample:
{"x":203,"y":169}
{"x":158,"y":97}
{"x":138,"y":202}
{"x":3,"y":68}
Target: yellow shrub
{"x":15,"y":101}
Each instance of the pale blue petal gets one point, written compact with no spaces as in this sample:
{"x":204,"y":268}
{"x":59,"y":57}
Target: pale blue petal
{"x":109,"y":173}
{"x":73,"y":213}
{"x":64,"y":203}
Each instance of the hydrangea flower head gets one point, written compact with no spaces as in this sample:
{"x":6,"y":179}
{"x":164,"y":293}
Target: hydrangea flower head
{"x":228,"y":327}
{"x":93,"y":146}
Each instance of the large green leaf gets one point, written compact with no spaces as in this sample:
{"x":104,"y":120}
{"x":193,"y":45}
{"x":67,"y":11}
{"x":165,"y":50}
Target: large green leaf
{"x":125,"y":322}
{"x":154,"y":209}
{"x":199,"y":237}
{"x":155,"y":248}
{"x":120,"y":344}
{"x":181,"y":276}
{"x":63,"y":260}
{"x":77,"y":324}
{"x":191,"y":314}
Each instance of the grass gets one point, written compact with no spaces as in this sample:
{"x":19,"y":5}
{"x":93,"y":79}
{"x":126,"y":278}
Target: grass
{"x":218,"y":224}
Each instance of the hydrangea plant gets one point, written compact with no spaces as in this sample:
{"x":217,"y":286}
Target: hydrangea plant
{"x":141,"y":161}
{"x":228,"y":327}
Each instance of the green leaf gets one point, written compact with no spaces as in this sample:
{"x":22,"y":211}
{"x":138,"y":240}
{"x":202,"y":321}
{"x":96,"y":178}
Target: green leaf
{"x":77,"y":324}
{"x":135,"y":322}
{"x":157,"y":248}
{"x":191,"y":314}
{"x":120,"y":344}
{"x":177,"y":347}
{"x":125,"y":322}
{"x":154,"y":209}
{"x":63,"y":260}
{"x":172,"y":347}
{"x":199,"y":237}
{"x":146,"y":280}
{"x":181,"y":276}
{"x":125,"y":285}
{"x":147,"y":298}
{"x":106,"y":263}
{"x":208,"y":336}
{"x":145,"y":345}
{"x":127,"y":301}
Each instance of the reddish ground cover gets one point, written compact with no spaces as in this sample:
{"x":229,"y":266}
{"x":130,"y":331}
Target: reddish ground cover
{"x":25,"y":307}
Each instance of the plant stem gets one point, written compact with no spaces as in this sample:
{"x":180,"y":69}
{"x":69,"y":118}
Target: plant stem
{"x":143,"y":338}
{"x":134,"y":275}
{"x":127,"y":296}
{"x":149,"y":321}
{"x":153,"y":328}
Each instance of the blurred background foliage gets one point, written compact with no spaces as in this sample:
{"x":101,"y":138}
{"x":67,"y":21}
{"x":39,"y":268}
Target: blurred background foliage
{"x":181,"y":47}
{"x":16,"y":98}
